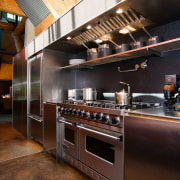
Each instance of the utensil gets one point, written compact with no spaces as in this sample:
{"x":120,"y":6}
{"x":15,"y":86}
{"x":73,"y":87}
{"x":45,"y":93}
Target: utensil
{"x":152,"y":40}
{"x":122,"y":97}
{"x":104,"y":50}
{"x":75,"y":94}
{"x":89,"y":94}
{"x":91,"y":53}
{"x":137,"y":44}
{"x":120,"y":48}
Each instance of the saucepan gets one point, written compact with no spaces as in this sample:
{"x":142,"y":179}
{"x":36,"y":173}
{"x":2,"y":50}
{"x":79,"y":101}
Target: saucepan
{"x":104,"y":50}
{"x":89,"y":94}
{"x":154,"y":39}
{"x":92,"y":53}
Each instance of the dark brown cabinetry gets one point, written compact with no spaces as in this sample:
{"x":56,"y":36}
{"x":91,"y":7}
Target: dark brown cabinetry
{"x":50,"y":127}
{"x":151,"y":149}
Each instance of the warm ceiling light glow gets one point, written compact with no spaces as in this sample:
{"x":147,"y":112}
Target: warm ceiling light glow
{"x":124,"y":31}
{"x":130,"y":28}
{"x":119,"y":11}
{"x":98,"y":40}
{"x":89,"y":27}
{"x":68,"y":38}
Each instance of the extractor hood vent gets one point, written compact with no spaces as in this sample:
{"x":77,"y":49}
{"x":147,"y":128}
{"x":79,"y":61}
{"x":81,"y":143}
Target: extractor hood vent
{"x":129,"y":19}
{"x":35,"y":10}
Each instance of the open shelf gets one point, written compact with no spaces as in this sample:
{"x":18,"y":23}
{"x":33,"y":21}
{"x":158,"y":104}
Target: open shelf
{"x":155,"y":49}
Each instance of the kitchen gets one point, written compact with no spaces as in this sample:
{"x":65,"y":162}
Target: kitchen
{"x":140,"y":143}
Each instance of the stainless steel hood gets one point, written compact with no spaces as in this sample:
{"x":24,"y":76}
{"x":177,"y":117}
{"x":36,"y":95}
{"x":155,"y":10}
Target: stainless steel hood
{"x":136,"y":13}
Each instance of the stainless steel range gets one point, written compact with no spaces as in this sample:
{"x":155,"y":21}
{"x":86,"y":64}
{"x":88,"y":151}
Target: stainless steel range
{"x":91,"y":137}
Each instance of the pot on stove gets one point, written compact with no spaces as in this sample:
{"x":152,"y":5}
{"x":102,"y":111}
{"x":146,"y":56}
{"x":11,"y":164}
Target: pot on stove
{"x":123,"y":98}
{"x":89,"y":94}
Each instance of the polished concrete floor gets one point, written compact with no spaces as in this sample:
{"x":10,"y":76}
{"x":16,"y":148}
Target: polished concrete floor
{"x":22,"y":159}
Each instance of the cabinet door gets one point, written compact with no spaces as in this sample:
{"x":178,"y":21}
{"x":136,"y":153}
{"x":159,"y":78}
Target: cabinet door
{"x":50,"y":126}
{"x":151,"y":149}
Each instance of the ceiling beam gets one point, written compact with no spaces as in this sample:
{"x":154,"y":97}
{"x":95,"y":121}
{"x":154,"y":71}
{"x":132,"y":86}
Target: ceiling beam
{"x":12,"y":7}
{"x":6,"y":26}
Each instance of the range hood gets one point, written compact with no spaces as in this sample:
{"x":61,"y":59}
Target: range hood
{"x":136,"y":14}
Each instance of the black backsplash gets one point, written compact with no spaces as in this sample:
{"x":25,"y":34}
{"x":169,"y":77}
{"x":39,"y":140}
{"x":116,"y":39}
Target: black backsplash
{"x":150,"y":80}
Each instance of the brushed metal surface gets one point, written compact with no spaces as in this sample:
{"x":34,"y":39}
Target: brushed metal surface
{"x":151,"y":149}
{"x":35,"y":100}
{"x":20,"y":92}
{"x":110,"y":170}
{"x":55,"y":83}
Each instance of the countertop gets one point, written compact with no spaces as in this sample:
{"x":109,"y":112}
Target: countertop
{"x":157,"y":112}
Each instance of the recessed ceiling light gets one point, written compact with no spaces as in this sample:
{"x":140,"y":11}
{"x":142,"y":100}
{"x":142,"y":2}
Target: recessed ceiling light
{"x":89,"y":27}
{"x":98,"y":40}
{"x":119,"y":11}
{"x":68,"y":38}
{"x":124,"y":31}
{"x":130,"y":28}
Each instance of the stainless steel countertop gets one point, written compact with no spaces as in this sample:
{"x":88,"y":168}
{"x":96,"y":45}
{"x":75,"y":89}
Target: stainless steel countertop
{"x":157,"y":112}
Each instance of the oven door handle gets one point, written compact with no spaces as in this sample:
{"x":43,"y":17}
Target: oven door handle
{"x":100,"y":133}
{"x":62,"y":120}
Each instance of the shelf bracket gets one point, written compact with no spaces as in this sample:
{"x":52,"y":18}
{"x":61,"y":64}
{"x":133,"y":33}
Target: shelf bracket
{"x":136,"y":67}
{"x":152,"y":51}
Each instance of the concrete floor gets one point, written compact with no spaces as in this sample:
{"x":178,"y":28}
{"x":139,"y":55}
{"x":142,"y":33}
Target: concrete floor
{"x":24,"y":159}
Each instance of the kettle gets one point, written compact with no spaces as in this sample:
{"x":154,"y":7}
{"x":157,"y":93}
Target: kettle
{"x":123,"y":98}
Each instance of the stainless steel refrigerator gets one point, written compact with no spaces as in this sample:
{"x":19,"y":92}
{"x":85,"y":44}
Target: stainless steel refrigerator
{"x":35,"y":120}
{"x":20,"y":93}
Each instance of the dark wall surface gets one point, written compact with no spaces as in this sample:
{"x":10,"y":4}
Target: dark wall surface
{"x":4,"y":87}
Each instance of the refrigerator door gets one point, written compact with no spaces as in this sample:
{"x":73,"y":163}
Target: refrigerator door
{"x":20,"y":93}
{"x":35,"y":100}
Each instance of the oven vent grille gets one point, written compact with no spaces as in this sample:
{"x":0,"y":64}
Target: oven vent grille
{"x":128,"y":18}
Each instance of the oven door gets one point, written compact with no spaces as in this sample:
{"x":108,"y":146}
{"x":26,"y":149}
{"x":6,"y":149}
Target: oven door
{"x":69,"y":133}
{"x":102,"y":150}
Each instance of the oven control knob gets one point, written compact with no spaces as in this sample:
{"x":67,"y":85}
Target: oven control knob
{"x":78,"y":112}
{"x":86,"y":114}
{"x":70,"y":110}
{"x":115,"y":120}
{"x":66,"y":110}
{"x":93,"y":116}
{"x":105,"y":118}
{"x":99,"y":116}
{"x":75,"y":111}
{"x":62,"y":110}
{"x":82,"y":112}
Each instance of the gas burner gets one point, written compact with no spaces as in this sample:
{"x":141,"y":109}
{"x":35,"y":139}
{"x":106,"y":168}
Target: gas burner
{"x":112,"y":105}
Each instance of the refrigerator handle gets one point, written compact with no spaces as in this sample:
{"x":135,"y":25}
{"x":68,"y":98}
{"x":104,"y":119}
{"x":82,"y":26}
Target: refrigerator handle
{"x":37,"y":119}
